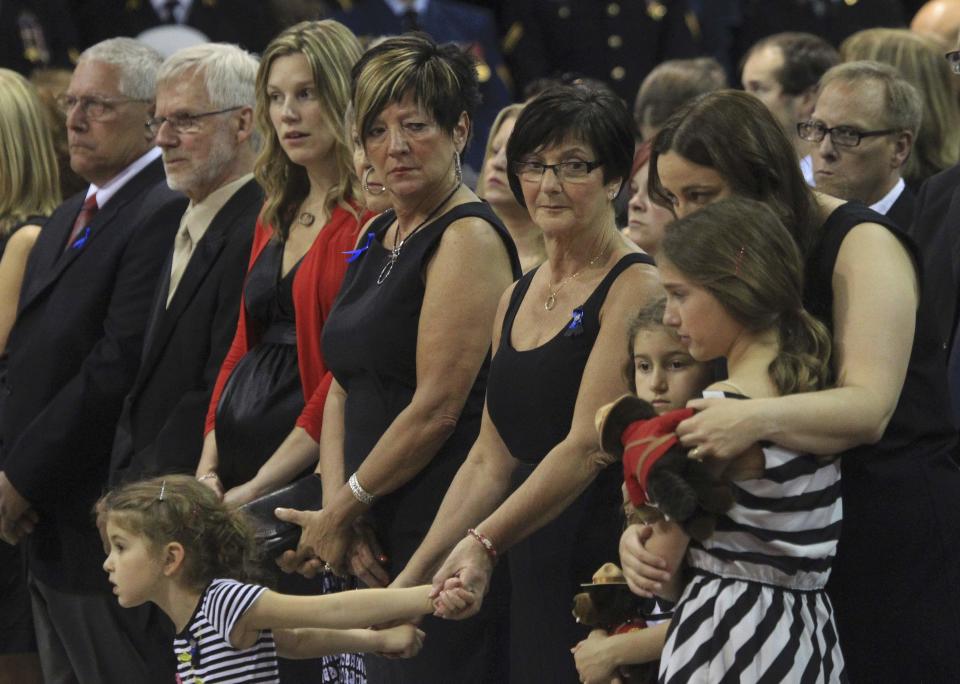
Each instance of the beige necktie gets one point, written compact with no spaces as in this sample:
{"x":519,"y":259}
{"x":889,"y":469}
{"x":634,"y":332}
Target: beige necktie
{"x":182,"y":249}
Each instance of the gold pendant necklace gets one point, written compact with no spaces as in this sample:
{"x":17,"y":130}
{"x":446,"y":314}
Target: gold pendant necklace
{"x":551,"y":300}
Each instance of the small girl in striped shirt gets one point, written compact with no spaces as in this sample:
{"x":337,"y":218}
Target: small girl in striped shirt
{"x":173,"y":543}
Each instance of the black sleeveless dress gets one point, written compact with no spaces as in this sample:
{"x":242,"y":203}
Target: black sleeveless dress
{"x":895,"y":584}
{"x":370,"y":345}
{"x":258,"y":408}
{"x":263,"y":398}
{"x":531,"y":397}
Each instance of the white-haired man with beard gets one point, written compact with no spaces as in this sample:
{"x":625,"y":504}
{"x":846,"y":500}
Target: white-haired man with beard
{"x":204,"y":126}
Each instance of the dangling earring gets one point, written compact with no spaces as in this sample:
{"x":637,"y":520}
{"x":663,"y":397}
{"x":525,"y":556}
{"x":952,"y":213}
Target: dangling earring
{"x":457,"y":170}
{"x":365,"y":184}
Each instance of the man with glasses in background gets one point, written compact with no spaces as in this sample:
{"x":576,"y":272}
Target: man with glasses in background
{"x":73,"y":354}
{"x":863,"y":127}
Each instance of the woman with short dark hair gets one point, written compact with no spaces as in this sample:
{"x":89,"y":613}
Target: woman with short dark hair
{"x":535,"y":481}
{"x":408,"y":342}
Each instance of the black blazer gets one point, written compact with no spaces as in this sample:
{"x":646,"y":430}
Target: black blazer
{"x":936,"y":230}
{"x":73,"y":355}
{"x":161,"y":427}
{"x":902,"y":210}
{"x":248,"y":23}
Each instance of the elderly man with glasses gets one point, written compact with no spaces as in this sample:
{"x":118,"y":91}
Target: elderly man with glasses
{"x":863,"y":127}
{"x":73,"y":354}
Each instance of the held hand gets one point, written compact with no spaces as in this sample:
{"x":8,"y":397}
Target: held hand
{"x":595,"y":664}
{"x":455,"y":602}
{"x":319,"y":539}
{"x":472,"y":567}
{"x":365,"y":557}
{"x":402,"y":641}
{"x":17,"y":520}
{"x":241,"y":494}
{"x":722,"y":428}
{"x":644,"y":571}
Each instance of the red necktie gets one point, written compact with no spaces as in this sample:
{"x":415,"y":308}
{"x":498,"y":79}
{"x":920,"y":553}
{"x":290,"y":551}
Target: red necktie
{"x":87,"y":212}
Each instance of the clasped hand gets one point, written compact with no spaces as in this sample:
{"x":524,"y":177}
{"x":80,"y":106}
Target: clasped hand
{"x":17,"y":518}
{"x":462,"y":581}
{"x":323,"y":543}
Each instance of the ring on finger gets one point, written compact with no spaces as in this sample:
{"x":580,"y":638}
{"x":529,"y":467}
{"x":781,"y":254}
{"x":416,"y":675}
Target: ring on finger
{"x":695,"y":453}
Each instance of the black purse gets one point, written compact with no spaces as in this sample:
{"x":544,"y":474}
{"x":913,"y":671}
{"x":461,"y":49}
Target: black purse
{"x":274,"y":536}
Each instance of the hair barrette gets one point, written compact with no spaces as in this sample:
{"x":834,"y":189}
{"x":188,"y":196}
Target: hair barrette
{"x":163,"y":490}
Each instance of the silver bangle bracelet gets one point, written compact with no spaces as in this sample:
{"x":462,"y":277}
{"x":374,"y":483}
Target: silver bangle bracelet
{"x":361,"y":494}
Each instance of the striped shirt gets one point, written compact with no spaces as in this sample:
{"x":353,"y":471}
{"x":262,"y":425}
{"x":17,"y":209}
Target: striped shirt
{"x":203,"y":650}
{"x":784,"y":527}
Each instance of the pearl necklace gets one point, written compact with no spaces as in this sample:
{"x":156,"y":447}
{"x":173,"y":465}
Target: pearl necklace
{"x":551,"y":300}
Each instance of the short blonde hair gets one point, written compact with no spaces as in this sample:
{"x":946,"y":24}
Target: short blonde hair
{"x":441,"y":78}
{"x":331,"y":51}
{"x":920,"y":61}
{"x":509,"y":112}
{"x":29,"y":178}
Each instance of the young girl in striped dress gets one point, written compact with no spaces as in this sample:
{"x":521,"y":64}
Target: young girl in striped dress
{"x":754,"y":607}
{"x":174,"y":543}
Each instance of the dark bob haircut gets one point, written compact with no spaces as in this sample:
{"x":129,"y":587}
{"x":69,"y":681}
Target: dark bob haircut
{"x":594,"y":116}
{"x":441,"y":78}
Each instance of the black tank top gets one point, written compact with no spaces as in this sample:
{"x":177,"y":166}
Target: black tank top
{"x":921,"y":423}
{"x":531,"y":394}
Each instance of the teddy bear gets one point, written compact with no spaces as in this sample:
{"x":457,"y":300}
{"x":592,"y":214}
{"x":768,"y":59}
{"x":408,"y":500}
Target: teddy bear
{"x":661,"y":480}
{"x":608,"y":604}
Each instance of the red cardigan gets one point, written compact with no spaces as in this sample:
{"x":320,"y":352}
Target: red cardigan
{"x":315,"y":287}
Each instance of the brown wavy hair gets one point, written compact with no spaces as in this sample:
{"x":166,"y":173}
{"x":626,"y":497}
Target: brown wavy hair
{"x":736,"y":135}
{"x":331,"y":51}
{"x":739,"y":251}
{"x":218,"y":541}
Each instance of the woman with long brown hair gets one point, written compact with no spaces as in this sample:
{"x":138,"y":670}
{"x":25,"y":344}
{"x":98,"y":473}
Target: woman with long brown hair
{"x":896,"y":582}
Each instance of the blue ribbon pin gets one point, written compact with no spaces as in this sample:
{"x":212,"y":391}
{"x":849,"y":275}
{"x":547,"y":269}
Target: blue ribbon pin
{"x":354,"y":254}
{"x":575,"y":326}
{"x":81,"y":239}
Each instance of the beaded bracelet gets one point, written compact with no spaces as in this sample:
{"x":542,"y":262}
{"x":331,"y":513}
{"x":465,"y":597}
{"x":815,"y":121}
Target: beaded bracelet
{"x":361,"y":494}
{"x":485,"y":542}
{"x":211,"y":475}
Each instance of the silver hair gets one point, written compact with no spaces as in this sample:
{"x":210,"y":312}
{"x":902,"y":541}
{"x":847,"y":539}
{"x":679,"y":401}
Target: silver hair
{"x":138,"y":64}
{"x":902,"y":102}
{"x":230,"y":73}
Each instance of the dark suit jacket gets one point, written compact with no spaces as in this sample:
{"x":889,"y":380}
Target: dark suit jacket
{"x":161,"y":427}
{"x":936,"y":230}
{"x":902,"y":210}
{"x":73,"y":355}
{"x":248,"y":23}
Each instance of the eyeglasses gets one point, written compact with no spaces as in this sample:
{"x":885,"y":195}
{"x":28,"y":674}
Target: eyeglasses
{"x":842,"y":136}
{"x":573,"y":171}
{"x":183,"y":123}
{"x":953,"y":59}
{"x":94,"y":108}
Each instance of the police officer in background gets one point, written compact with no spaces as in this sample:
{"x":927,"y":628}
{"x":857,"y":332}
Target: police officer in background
{"x":615,"y":41}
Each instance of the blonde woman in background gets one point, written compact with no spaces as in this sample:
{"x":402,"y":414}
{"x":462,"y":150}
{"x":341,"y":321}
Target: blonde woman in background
{"x":29,"y":192}
{"x":29,"y":186}
{"x":919,"y":59}
{"x":495,"y":189}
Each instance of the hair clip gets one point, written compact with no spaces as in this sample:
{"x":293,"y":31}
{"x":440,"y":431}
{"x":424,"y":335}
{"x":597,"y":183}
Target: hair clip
{"x":739,"y":262}
{"x":163,"y":490}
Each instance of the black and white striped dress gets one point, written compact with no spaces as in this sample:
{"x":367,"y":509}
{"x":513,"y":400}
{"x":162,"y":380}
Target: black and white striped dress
{"x":755,"y":609}
{"x":203,"y":650}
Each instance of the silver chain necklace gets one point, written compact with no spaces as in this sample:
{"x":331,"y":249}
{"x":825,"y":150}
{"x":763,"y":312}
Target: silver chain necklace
{"x":398,"y":243}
